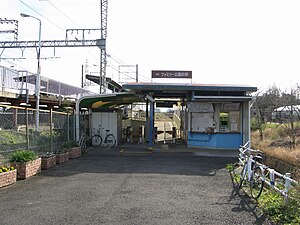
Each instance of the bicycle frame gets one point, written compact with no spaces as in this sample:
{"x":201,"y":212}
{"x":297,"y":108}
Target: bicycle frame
{"x":252,"y":171}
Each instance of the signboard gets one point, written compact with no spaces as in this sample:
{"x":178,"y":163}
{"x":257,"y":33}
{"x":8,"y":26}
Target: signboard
{"x":171,"y":74}
{"x":200,"y":107}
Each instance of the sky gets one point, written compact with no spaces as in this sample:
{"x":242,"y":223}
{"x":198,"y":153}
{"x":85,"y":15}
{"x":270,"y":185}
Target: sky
{"x":254,"y":43}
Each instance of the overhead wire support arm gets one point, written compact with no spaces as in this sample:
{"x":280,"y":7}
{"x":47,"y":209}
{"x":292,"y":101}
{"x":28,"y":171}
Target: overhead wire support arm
{"x":53,"y":43}
{"x":80,"y":31}
{"x":14,"y":30}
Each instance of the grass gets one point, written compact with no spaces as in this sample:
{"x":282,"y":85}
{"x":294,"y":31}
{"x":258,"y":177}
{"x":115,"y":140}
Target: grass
{"x":280,"y":210}
{"x":271,"y":136}
{"x":11,"y":137}
{"x":273,"y":205}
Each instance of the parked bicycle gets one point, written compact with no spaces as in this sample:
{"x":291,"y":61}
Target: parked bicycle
{"x":252,"y":171}
{"x":82,"y":144}
{"x":109,"y":139}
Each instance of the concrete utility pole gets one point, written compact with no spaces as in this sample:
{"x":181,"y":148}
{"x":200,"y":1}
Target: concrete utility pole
{"x":38,"y":75}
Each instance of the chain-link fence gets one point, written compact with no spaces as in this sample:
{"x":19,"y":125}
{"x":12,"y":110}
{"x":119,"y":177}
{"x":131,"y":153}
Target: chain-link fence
{"x":18,"y":130}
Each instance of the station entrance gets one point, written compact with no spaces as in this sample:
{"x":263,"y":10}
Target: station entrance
{"x":198,"y":116}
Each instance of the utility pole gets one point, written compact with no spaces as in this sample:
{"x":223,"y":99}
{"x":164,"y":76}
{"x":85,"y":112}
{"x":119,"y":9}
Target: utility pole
{"x":38,"y":75}
{"x":82,"y":74}
{"x":137,"y":73}
{"x":102,"y":78}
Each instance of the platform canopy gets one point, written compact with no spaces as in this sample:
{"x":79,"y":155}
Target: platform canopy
{"x":192,"y":91}
{"x":138,"y":92}
{"x":109,"y":101}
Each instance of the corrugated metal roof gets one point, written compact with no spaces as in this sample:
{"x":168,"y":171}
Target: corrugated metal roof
{"x":108,"y":100}
{"x":188,"y":87}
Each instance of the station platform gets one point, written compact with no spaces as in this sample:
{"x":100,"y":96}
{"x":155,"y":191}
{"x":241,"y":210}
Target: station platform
{"x":179,"y":148}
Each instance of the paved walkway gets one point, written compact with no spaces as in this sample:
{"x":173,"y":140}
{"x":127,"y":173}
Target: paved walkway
{"x":129,"y":187}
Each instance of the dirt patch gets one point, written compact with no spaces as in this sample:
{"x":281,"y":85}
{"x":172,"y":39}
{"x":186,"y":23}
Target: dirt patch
{"x":281,"y":143}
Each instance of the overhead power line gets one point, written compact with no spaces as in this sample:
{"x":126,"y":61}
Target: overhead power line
{"x":42,"y":15}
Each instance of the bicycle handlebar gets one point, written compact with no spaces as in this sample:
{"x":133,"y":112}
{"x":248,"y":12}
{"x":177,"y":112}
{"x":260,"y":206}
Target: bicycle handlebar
{"x":249,"y":150}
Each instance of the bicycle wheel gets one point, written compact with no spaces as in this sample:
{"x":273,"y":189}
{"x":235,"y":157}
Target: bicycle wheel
{"x":110,"y":140}
{"x":243,"y":176}
{"x":96,"y":140}
{"x":256,"y":182}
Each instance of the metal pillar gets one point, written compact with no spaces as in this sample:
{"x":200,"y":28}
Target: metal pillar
{"x":151,"y":126}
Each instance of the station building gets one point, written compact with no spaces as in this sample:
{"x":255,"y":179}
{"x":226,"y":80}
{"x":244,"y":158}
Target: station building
{"x":209,"y":116}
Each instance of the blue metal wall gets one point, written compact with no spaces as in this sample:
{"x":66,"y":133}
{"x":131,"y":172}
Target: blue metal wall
{"x":215,"y":140}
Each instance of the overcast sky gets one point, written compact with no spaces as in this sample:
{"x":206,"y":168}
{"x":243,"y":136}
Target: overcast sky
{"x":223,"y":42}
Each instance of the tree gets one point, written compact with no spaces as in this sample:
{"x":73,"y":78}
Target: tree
{"x":289,"y":113}
{"x":263,"y":106}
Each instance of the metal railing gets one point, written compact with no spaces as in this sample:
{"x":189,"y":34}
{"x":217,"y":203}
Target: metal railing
{"x":23,"y":82}
{"x":281,"y":183}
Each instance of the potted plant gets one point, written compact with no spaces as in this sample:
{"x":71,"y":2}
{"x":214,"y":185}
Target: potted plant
{"x":26,"y":162}
{"x":8,"y":175}
{"x":73,"y":148}
{"x":48,"y":160}
{"x":62,"y":156}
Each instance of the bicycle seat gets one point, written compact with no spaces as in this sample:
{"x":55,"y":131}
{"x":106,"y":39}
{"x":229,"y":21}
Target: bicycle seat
{"x":257,"y":158}
{"x":107,"y":130}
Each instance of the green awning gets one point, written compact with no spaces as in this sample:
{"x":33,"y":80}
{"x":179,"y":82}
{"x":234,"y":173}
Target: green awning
{"x":113,"y":100}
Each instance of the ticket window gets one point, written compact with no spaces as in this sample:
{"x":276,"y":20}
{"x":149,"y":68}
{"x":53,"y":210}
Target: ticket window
{"x":224,"y":122}
{"x":229,"y":121}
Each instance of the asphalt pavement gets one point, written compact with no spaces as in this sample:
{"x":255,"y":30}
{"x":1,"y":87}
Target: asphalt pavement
{"x":122,"y":186}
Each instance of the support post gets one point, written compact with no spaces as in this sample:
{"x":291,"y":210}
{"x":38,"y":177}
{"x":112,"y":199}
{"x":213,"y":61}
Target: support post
{"x":51,"y":130}
{"x":151,"y":126}
{"x":137,"y":73}
{"x":27,"y":130}
{"x":68,"y":126}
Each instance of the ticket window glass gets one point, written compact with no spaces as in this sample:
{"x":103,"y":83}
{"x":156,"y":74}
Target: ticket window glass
{"x":229,"y":121}
{"x":224,"y":122}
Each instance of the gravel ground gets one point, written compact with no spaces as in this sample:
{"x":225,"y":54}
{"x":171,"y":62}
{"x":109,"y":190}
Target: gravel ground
{"x":104,"y":187}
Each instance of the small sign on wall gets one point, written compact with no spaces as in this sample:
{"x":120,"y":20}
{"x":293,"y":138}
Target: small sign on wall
{"x":230,"y":107}
{"x":200,"y":107}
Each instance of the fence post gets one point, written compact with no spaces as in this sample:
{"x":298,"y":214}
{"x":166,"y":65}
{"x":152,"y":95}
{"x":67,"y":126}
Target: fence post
{"x":68,"y":126}
{"x":287,"y":184}
{"x":272,"y":177}
{"x":51,"y":136}
{"x":27,"y":132}
{"x":15,"y":117}
{"x":141,"y":134}
{"x":173,"y":135}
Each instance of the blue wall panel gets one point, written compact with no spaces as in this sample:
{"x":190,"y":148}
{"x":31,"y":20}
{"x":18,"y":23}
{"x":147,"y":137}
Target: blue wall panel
{"x":217,"y":141}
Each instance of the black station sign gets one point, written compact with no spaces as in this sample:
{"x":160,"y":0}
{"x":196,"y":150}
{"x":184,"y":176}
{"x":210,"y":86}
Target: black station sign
{"x":171,"y":74}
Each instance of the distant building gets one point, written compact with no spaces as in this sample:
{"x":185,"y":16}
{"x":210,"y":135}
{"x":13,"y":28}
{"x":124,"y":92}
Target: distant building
{"x":285,"y":112}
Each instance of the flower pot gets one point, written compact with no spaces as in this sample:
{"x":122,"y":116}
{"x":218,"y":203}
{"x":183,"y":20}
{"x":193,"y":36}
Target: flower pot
{"x":74,"y":152}
{"x":48,"y":161}
{"x":8,"y":178}
{"x":62,"y":157}
{"x":27,"y":169}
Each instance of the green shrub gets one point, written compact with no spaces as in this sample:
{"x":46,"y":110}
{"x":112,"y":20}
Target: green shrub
{"x":278,"y":210}
{"x":273,"y":205}
{"x":70,"y":144}
{"x":23,"y":156}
